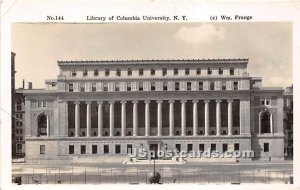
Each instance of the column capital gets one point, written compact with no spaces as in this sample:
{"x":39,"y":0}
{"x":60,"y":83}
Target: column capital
{"x":171,"y":101}
{"x":134,"y":101}
{"x":182,"y":101}
{"x":123,"y":101}
{"x":88,"y":102}
{"x":99,"y":102}
{"x":76,"y":102}
{"x":111,"y":102}
{"x":147,"y":101}
{"x":218,"y":101}
{"x":159,"y":101}
{"x":230,"y":100}
{"x":195,"y":101}
{"x":206,"y":101}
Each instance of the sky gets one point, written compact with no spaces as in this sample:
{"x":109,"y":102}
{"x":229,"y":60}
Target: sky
{"x":268,"y":45}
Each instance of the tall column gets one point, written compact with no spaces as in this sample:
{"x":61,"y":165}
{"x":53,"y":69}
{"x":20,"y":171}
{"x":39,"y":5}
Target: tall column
{"x":159,"y":118}
{"x":171,"y":117}
{"x":135,"y":118}
{"x":100,"y":119}
{"x":123,"y":118}
{"x":88,"y":118}
{"x":111,"y":119}
{"x":229,"y":117}
{"x":195,"y":118}
{"x":147,"y":118}
{"x":77,"y":118}
{"x":183,"y":118}
{"x":218,"y":118}
{"x":206,"y":107}
{"x":48,"y":126}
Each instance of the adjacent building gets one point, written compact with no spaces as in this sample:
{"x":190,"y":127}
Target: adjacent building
{"x":106,"y":108}
{"x":288,"y":122}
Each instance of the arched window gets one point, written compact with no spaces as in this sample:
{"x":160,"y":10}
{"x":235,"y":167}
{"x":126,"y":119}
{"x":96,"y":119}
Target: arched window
{"x":42,"y":125}
{"x":265,"y":122}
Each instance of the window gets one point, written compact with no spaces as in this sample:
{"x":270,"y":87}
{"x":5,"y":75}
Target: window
{"x":39,"y":103}
{"x":118,"y":72}
{"x":235,"y":85}
{"x":224,"y":132}
{"x":189,"y":85}
{"x":220,"y":70}
{"x":209,"y":71}
{"x":85,"y":72}
{"x":71,"y":89}
{"x":223,"y":85}
{"x":141,"y":72}
{"x":213,"y":147}
{"x":175,"y":71}
{"x":225,"y":147}
{"x":44,"y":103}
{"x":212,"y":132}
{"x":96,"y":72}
{"x":152,"y":86}
{"x":21,"y":138}
{"x":231,"y":71}
{"x":129,"y":148}
{"x":71,"y":149}
{"x":42,"y":149}
{"x":198,"y":71}
{"x":94,"y":149}
{"x":106,"y":72}
{"x":212,"y":85}
{"x":106,"y":149}
{"x":117,"y":86}
{"x":129,"y":86}
{"x":93,"y":87}
{"x":152,"y":71}
{"x":129,"y":71}
{"x":117,"y":149}
{"x":268,"y":101}
{"x":164,"y":71}
{"x":236,"y":146}
{"x":200,"y":85}
{"x":82,"y":149}
{"x":19,"y":146}
{"x":140,"y":86}
{"x":19,"y":107}
{"x":236,"y":132}
{"x":165,"y":86}
{"x":176,"y":86}
{"x":201,"y":147}
{"x":266,"y":147}
{"x":53,"y":84}
{"x":82,"y":87}
{"x":187,"y":71}
{"x":73,"y":73}
{"x":178,"y":147}
{"x":105,"y":86}
{"x":189,"y":147}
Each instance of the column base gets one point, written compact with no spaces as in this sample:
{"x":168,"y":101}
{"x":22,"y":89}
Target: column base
{"x":171,"y":135}
{"x":182,"y":135}
{"x":146,"y":135}
{"x":195,"y":135}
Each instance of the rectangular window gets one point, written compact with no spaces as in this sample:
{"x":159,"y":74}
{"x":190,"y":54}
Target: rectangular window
{"x":106,"y":72}
{"x":165,"y":86}
{"x":94,"y":149}
{"x":42,"y":149}
{"x":129,"y":72}
{"x":73,"y":72}
{"x":178,"y":147}
{"x":176,"y":86}
{"x":236,"y":146}
{"x":220,"y":70}
{"x":262,"y":102}
{"x":118,"y":72}
{"x":85,"y":72}
{"x":235,"y":85}
{"x":153,"y":86}
{"x":19,"y":146}
{"x":96,"y":72}
{"x":129,"y":148}
{"x":175,"y":71}
{"x":187,"y":71}
{"x":117,"y":86}
{"x":129,"y":86}
{"x":266,"y":147}
{"x":117,"y":149}
{"x":152,"y":71}
{"x":71,"y":88}
{"x":225,"y":147}
{"x":212,"y":85}
{"x":201,"y":147}
{"x":189,"y":147}
{"x":213,"y":147}
{"x":164,"y":71}
{"x":105,"y":86}
{"x":231,"y":71}
{"x":71,"y":149}
{"x":93,"y":87}
{"x":82,"y":87}
{"x":209,"y":71}
{"x":189,"y":85}
{"x":140,"y":86}
{"x":19,"y":107}
{"x":44,"y":103}
{"x":200,"y":85}
{"x":223,"y":85}
{"x":141,"y":72}
{"x":268,"y":101}
{"x":106,"y":149}
{"x":198,"y":71}
{"x":82,"y":149}
{"x":39,"y":103}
